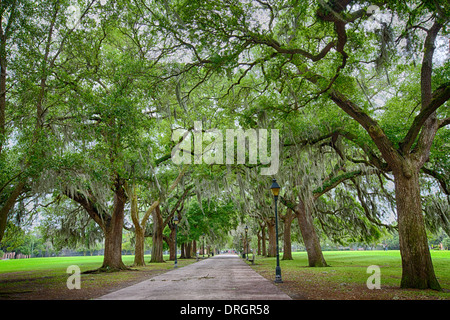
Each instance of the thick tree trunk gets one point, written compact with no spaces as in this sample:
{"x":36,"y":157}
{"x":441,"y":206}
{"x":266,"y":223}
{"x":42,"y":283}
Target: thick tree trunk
{"x":139,"y":248}
{"x":7,"y":207}
{"x":189,"y":250}
{"x":309,"y":235}
{"x":194,"y":247}
{"x":272,"y":238}
{"x":287,"y":221}
{"x":112,"y":259}
{"x":417,"y":267}
{"x":183,"y":251}
{"x":171,"y":243}
{"x":157,"y":247}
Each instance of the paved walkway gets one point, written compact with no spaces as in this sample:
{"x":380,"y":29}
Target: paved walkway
{"x":222,"y":277}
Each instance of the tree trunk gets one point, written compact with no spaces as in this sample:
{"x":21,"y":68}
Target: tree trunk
{"x":4,"y":211}
{"x":194,"y":247}
{"x":272,"y":238}
{"x":189,"y":250}
{"x":259,"y":244}
{"x":417,"y":267}
{"x":2,"y":90}
{"x":139,"y":248}
{"x":183,"y":251}
{"x":157,"y":247}
{"x":171,"y":242}
{"x":112,"y":259}
{"x":139,"y":231}
{"x":7,"y":207}
{"x":309,"y":235}
{"x":287,"y":221}
{"x":263,"y":243}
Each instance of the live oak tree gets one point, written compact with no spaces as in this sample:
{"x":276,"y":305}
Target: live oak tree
{"x":27,"y":94}
{"x":170,"y":207}
{"x":34,"y":35}
{"x":33,"y":107}
{"x":324,"y":44}
{"x":107,"y":125}
{"x":314,"y":170}
{"x":405,"y":158}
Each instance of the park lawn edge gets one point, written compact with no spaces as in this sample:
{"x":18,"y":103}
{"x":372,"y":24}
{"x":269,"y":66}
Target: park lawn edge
{"x":46,"y":278}
{"x":346,"y":276}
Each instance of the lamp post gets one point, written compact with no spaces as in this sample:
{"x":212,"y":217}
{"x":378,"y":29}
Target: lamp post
{"x":246,"y":241}
{"x":275,"y":188}
{"x":176,"y":221}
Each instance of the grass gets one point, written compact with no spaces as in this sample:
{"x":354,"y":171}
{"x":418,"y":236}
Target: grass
{"x":345,"y":278}
{"x":46,"y":278}
{"x":59,"y":264}
{"x":346,"y":275}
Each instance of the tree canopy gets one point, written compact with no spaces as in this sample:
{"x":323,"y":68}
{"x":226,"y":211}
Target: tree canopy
{"x":94,"y":94}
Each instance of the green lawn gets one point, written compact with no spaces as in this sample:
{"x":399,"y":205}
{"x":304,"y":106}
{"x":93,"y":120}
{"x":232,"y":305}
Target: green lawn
{"x":347,"y":271}
{"x":59,"y":264}
{"x":345,"y":278}
{"x":55,"y":264}
{"x":45,"y":278}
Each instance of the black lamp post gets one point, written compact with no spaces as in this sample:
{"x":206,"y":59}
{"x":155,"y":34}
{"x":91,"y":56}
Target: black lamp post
{"x":275,"y":191}
{"x":176,"y":221}
{"x":246,"y":240}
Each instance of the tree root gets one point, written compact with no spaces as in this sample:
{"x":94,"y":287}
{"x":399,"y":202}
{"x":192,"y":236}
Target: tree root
{"x":107,"y":269}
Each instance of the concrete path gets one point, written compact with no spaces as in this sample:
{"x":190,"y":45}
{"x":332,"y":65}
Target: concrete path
{"x":222,"y":277}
